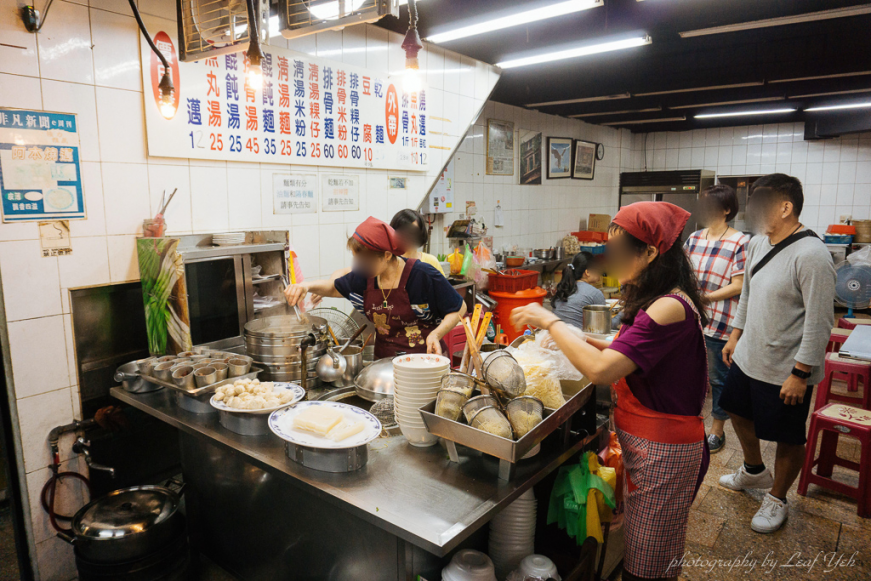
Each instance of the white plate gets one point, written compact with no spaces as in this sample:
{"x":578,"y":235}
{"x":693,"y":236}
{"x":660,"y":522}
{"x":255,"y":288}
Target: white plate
{"x":281,"y":424}
{"x":421,"y":361}
{"x":298,"y":394}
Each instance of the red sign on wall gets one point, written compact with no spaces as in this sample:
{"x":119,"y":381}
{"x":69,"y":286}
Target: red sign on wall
{"x":392,"y":114}
{"x":167,"y":49}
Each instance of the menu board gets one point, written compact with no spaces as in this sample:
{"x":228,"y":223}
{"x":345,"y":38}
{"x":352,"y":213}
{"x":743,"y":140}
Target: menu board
{"x":309,"y":111}
{"x":40,"y":176}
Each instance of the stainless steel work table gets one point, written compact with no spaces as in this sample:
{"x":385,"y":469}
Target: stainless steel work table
{"x":262,"y":516}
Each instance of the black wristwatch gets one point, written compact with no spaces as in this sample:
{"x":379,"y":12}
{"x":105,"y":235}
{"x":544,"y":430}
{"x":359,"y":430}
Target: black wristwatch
{"x":801,"y":374}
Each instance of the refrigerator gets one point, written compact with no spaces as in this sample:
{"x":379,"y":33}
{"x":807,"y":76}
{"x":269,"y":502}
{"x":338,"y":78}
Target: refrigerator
{"x":680,"y":188}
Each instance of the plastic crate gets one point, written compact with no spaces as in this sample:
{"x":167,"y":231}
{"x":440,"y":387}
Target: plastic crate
{"x":590,"y":236}
{"x":847,"y":229}
{"x":600,"y":249}
{"x":838,"y":239}
{"x":512,"y":281}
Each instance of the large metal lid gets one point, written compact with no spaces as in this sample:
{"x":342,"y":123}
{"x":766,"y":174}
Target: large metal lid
{"x":376,"y":379}
{"x":282,"y":326}
{"x":126,"y":512}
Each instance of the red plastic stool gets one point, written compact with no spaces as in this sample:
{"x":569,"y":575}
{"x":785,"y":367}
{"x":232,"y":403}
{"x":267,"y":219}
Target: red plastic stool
{"x":455,"y":340}
{"x":831,"y":421}
{"x":836,"y":339}
{"x":854,"y":371}
{"x":851,"y":323}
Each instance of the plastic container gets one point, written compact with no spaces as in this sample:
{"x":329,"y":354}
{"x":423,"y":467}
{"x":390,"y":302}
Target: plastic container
{"x":838,"y":239}
{"x":590,"y":236}
{"x":610,"y":281}
{"x":841,"y":229}
{"x":597,"y":249}
{"x":507,"y":302}
{"x":512,"y":281}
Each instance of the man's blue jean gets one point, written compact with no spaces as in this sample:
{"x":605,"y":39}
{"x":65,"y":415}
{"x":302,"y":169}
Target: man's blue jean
{"x":717,"y":372}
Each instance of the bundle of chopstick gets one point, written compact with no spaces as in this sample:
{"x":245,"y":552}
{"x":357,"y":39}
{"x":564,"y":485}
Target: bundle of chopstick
{"x":475,"y":333}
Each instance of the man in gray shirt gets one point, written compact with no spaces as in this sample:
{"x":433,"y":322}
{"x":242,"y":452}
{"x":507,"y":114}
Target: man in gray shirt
{"x":777,"y":347}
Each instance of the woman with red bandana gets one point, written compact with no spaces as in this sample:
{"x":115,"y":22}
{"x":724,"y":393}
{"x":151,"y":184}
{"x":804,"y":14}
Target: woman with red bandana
{"x":658,"y":367}
{"x":410,"y":303}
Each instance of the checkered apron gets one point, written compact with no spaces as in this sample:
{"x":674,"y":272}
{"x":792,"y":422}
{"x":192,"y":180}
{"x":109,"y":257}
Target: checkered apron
{"x":662,"y":456}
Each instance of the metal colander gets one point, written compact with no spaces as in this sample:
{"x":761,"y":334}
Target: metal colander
{"x":383,"y":410}
{"x":504,"y":374}
{"x":524,"y":413}
{"x":343,"y":325}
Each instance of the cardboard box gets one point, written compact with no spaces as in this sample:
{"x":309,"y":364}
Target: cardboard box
{"x":598,"y":222}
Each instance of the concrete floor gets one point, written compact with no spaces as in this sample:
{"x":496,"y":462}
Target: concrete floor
{"x":823,"y":526}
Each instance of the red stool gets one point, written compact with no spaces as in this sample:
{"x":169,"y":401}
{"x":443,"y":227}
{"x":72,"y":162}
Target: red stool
{"x":852,"y":323}
{"x":836,"y":339}
{"x":455,"y":340}
{"x":854,"y":371}
{"x":833,"y":420}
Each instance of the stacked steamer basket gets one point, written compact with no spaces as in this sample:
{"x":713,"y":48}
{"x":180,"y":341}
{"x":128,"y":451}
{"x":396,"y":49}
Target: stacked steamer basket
{"x":416,"y":382}
{"x":512,"y":534}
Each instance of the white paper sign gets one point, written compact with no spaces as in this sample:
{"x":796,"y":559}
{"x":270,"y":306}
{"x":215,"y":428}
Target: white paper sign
{"x":340,"y":193}
{"x":441,"y":198}
{"x":294,"y":193}
{"x":310,"y":111}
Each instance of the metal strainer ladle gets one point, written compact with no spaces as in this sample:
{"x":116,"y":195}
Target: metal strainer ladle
{"x":504,"y":375}
{"x":383,"y":410}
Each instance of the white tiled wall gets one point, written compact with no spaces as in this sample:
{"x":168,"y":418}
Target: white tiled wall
{"x":86,"y":61}
{"x":835,"y":173}
{"x":535,"y":216}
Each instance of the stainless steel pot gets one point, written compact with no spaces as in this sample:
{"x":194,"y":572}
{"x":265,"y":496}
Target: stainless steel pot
{"x":353,"y":366}
{"x":274,"y":345}
{"x":126,"y":524}
{"x":597,"y":319}
{"x":128,"y":375}
{"x":544,"y":253}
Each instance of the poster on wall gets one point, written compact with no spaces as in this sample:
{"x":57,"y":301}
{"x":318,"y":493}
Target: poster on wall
{"x":559,"y":157}
{"x":500,"y":148}
{"x":40,"y":175}
{"x":530,"y":157}
{"x":294,"y":193}
{"x":309,"y":110}
{"x":340,"y":193}
{"x":585,"y":160}
{"x":441,"y":197}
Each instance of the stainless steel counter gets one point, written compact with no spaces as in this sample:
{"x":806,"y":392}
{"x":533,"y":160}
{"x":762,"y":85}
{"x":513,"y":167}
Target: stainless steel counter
{"x":416,"y":495}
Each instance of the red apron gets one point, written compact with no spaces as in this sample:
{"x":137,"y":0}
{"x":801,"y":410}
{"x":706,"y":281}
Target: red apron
{"x":397,"y":327}
{"x":663,"y":457}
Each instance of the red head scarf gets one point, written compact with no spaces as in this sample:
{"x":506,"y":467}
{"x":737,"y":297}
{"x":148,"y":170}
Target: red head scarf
{"x":379,"y":236}
{"x":656,"y":223}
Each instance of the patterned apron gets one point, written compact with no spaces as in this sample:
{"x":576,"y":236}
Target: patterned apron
{"x":397,"y":327}
{"x":663,"y":456}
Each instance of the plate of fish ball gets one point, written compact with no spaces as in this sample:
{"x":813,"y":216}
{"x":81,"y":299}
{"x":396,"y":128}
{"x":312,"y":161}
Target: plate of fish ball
{"x":252,"y":396}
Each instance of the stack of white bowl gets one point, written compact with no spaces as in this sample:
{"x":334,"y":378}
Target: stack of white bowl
{"x":512,"y":534}
{"x":416,"y":382}
{"x":469,"y":565}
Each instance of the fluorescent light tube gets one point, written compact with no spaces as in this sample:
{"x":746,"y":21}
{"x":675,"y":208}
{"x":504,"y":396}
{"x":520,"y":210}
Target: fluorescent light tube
{"x":781,"y":21}
{"x":642,"y":121}
{"x":575,"y":52}
{"x":694,"y":89}
{"x":584,"y":100}
{"x":721,"y":103}
{"x":604,"y":113}
{"x":740,"y":113}
{"x":836,"y":107}
{"x":830,"y":93}
{"x":818,"y":77}
{"x":520,"y":18}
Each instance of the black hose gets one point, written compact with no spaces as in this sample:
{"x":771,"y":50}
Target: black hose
{"x":148,"y":36}
{"x":44,"y":15}
{"x":50,"y":488}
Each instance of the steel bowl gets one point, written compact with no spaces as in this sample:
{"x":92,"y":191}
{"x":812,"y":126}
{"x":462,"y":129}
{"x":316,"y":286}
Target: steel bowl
{"x":222,"y":369}
{"x":164,"y":370}
{"x":237,"y":367}
{"x":375,"y":382}
{"x":184,"y":377}
{"x":205,"y":376}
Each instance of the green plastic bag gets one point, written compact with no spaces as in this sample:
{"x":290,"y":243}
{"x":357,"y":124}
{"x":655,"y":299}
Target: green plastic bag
{"x":569,"y":499}
{"x":467,"y":260}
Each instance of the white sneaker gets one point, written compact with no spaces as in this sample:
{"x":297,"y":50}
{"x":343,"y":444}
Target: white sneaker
{"x":743,"y":480}
{"x":770,"y":516}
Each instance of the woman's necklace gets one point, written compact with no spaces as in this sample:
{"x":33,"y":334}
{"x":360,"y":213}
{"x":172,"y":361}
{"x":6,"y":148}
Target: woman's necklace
{"x":707,"y":237}
{"x":384,"y":296}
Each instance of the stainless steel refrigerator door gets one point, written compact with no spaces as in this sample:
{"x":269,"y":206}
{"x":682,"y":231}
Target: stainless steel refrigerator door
{"x":688,"y":202}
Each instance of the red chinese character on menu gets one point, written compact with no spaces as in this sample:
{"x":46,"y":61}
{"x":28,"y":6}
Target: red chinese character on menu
{"x":250,"y":96}
{"x":283,"y":95}
{"x":367,"y":133}
{"x":212,"y":62}
{"x":315,"y":110}
{"x":314,"y":91}
{"x":340,"y":78}
{"x":213,"y":85}
{"x":366,"y":86}
{"x":343,"y":133}
{"x":313,"y":72}
{"x":251,"y":118}
{"x":316,"y":129}
{"x":284,"y":122}
{"x":282,"y":68}
{"x":214,"y":113}
{"x":341,"y":94}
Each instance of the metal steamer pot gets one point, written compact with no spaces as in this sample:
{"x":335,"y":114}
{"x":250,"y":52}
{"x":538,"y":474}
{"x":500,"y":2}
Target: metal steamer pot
{"x":126,"y":524}
{"x":274,"y":343}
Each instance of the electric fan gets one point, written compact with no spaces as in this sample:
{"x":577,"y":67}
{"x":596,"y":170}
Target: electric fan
{"x":853,"y":286}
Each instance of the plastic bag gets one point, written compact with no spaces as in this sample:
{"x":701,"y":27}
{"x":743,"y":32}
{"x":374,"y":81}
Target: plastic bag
{"x":582,"y":498}
{"x":467,"y":261}
{"x":482,"y":261}
{"x":544,"y":348}
{"x":612,"y":457}
{"x":455,"y":259}
{"x":861,"y":257}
